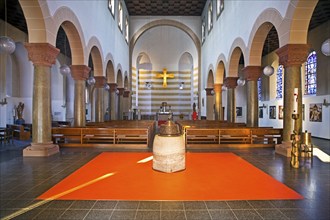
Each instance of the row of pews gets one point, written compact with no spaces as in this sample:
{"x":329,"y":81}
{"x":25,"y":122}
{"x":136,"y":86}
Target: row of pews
{"x":115,"y":134}
{"x":215,"y":134}
{"x":139,"y":134}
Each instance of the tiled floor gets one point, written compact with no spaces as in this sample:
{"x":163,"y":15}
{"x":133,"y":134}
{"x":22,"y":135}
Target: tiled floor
{"x":23,"y":179}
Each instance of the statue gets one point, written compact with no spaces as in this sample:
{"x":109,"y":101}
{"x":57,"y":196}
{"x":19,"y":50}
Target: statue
{"x":194,"y":114}
{"x":19,"y":111}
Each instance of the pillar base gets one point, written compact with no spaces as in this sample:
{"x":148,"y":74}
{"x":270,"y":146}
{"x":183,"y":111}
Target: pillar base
{"x":284,"y":149}
{"x":41,"y":150}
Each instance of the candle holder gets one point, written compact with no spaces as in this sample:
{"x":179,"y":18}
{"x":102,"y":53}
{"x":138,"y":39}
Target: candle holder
{"x":295,"y":137}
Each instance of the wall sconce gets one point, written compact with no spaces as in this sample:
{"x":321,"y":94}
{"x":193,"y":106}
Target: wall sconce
{"x":181,"y":85}
{"x":325,"y":103}
{"x":241,"y":82}
{"x":148,"y":85}
{"x":3,"y":101}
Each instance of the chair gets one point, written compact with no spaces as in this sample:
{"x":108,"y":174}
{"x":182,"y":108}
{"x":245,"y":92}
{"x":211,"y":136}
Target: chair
{"x":9,"y":135}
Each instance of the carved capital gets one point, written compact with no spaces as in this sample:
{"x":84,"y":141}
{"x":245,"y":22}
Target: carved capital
{"x":113,"y":87}
{"x":209,"y":91}
{"x":126,"y":93}
{"x":121,"y":91}
{"x":42,"y":54}
{"x":100,"y":81}
{"x":293,"y":54}
{"x":252,"y":73}
{"x":217,"y":87}
{"x":80,"y":72}
{"x":231,"y":82}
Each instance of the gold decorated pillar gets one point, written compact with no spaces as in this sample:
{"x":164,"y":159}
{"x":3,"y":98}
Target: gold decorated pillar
{"x":251,"y":75}
{"x":209,"y":103}
{"x":292,"y":56}
{"x":113,"y":101}
{"x":218,"y":102}
{"x":100,"y":81}
{"x":79,"y":73}
{"x":120,"y":103}
{"x":42,"y":55}
{"x":231,"y":84}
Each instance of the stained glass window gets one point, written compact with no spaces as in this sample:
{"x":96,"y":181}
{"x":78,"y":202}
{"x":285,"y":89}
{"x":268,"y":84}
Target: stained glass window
{"x":203,"y":31}
{"x":120,"y":16}
{"x":310,"y":74}
{"x":279,"y":82}
{"x":111,"y":6}
{"x":259,"y":88}
{"x":210,"y":17}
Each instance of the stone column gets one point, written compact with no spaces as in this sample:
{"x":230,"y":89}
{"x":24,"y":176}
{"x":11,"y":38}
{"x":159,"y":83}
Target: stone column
{"x":291,"y":56}
{"x":126,"y":101}
{"x":79,"y":73}
{"x":231,"y":84}
{"x":120,"y":103}
{"x":99,"y":98}
{"x":209,"y":103}
{"x":42,"y":55}
{"x":251,"y":75}
{"x":113,"y":101}
{"x":218,"y":102}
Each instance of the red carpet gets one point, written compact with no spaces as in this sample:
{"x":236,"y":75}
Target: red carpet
{"x":208,"y":176}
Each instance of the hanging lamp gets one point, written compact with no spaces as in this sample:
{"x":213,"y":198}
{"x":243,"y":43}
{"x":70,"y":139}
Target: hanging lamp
{"x":65,"y":69}
{"x":7,"y":45}
{"x":268,"y":70}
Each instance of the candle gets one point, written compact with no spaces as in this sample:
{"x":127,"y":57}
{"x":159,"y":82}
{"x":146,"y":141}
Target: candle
{"x":295,"y":101}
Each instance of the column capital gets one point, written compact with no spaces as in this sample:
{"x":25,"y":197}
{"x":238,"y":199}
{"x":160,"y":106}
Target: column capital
{"x":121,"y":91}
{"x":100,"y":81}
{"x":252,"y":73}
{"x":43,"y":54}
{"x":231,"y":82}
{"x":217,"y":87}
{"x":126,"y":93}
{"x":209,"y":91}
{"x":293,"y":54}
{"x":113,"y":87}
{"x":80,"y":72}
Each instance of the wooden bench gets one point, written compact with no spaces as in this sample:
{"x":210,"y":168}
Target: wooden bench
{"x":66,"y":136}
{"x":19,"y":132}
{"x":267,"y":135}
{"x":132,"y":136}
{"x":235,"y":136}
{"x":98,"y":135}
{"x":202,"y":136}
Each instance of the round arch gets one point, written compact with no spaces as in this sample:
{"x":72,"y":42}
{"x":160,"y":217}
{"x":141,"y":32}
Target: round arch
{"x":97,"y":61}
{"x":234,"y":61}
{"x":220,"y":71}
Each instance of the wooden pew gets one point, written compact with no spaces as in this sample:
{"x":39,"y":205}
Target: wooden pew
{"x":19,"y":132}
{"x":202,"y":136}
{"x":235,"y":136}
{"x":67,"y":136}
{"x":135,"y":138}
{"x":267,"y":135}
{"x":98,"y":135}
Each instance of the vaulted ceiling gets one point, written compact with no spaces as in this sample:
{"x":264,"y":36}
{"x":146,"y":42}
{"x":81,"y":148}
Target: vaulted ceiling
{"x":13,"y":14}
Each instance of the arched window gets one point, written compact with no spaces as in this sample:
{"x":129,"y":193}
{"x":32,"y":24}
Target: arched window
{"x":259,"y":88}
{"x":310,"y":74}
{"x":210,"y":17}
{"x":279,"y":82}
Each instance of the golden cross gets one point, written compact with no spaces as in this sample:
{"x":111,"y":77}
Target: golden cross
{"x":165,"y":75}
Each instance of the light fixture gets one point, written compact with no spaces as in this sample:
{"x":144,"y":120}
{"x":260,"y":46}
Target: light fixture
{"x":106,"y":87}
{"x":325,"y":48}
{"x":91,"y":80}
{"x":240,"y":82}
{"x":181,"y":85}
{"x":7,"y":45}
{"x":65,"y":69}
{"x":212,"y":92}
{"x":3,"y":101}
{"x":224,"y":88}
{"x":325,"y":103}
{"x":268,"y":70}
{"x":148,"y":85}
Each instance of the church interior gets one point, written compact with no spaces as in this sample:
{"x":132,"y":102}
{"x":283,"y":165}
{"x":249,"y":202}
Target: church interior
{"x":164,"y":109}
